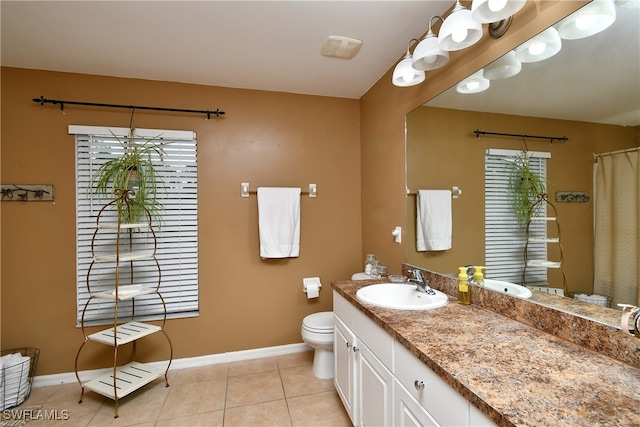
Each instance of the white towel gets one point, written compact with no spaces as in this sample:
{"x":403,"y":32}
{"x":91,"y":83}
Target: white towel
{"x":15,"y":369}
{"x":279,"y":222}
{"x":433,"y":225}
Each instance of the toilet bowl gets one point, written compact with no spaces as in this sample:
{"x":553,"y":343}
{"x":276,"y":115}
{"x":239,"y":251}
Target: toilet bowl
{"x":317,"y":331}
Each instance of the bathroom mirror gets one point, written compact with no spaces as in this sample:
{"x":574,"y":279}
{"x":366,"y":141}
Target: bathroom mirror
{"x":589,"y":92}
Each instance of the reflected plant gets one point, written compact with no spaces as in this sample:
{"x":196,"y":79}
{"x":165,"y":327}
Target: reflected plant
{"x":525,"y":187}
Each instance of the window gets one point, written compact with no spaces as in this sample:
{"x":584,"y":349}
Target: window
{"x":177,"y":235}
{"x":504,"y":237}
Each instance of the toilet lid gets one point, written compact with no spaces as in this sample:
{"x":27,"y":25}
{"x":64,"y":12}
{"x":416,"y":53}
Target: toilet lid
{"x":319,"y":322}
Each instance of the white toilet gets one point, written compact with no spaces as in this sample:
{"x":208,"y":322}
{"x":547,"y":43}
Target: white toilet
{"x":317,"y":331}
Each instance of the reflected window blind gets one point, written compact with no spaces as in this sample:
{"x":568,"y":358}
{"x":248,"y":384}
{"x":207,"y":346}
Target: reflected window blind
{"x":177,"y":235}
{"x":504,"y":238}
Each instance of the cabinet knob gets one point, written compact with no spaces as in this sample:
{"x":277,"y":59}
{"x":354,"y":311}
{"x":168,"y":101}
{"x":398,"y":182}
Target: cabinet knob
{"x":355,"y":349}
{"x":419,"y":385}
{"x":349,"y":345}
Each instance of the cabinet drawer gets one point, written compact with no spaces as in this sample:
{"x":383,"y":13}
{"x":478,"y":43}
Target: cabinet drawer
{"x":407,"y":412}
{"x":442,"y":402}
{"x":375,"y":337}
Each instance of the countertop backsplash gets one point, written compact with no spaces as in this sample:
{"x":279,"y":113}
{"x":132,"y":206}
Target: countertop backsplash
{"x":602,"y":338}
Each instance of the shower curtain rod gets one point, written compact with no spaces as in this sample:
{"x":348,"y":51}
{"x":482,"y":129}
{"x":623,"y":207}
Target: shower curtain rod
{"x":610,"y":153}
{"x":550,"y":138}
{"x":42,"y":100}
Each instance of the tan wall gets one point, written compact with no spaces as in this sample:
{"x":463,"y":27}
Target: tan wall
{"x":443,"y":151}
{"x":383,"y":110}
{"x":266,"y":138}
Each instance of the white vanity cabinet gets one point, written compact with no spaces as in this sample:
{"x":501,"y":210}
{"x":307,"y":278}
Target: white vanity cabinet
{"x":382,"y":384}
{"x":362,"y":380}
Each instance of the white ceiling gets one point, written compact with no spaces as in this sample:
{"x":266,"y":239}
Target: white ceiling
{"x":275,"y":46}
{"x":266,"y":45}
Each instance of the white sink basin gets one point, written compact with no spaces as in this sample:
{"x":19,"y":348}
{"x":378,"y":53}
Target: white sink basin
{"x":400,"y":296}
{"x":507,"y":288}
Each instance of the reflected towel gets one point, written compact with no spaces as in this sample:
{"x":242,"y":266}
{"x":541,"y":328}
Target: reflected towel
{"x":279,"y":222}
{"x":433,"y":225}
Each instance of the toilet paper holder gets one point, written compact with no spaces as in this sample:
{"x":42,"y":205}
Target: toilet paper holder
{"x":310,"y":281}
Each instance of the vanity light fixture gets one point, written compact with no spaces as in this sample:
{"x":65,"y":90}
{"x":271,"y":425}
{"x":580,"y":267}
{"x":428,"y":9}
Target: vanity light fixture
{"x":475,"y":83}
{"x":543,"y":46}
{"x":628,"y":4}
{"x":404,"y":74}
{"x":459,"y":30}
{"x":490,"y":11}
{"x":588,"y":20}
{"x":427,"y":55}
{"x":504,"y":67}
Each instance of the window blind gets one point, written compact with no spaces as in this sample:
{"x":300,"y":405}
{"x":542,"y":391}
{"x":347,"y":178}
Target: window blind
{"x":176,"y":234}
{"x":504,"y":238}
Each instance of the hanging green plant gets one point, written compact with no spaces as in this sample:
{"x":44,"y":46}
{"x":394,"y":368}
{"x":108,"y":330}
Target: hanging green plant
{"x":525,"y":187}
{"x":133,"y":170}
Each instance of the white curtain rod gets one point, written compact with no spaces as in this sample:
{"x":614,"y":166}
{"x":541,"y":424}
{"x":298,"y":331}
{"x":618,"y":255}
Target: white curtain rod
{"x":610,"y":153}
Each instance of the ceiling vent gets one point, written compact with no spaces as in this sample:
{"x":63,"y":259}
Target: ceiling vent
{"x":340,"y":47}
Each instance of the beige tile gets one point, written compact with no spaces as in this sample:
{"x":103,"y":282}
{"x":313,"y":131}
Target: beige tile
{"x":301,"y":381}
{"x":255,"y":388}
{"x":321,"y":409}
{"x":71,"y":391}
{"x":41,"y":394}
{"x":267,"y":414}
{"x":254,"y":395}
{"x":295,"y":360}
{"x":206,"y":419}
{"x":253,"y":366}
{"x":68,"y":413}
{"x":194,"y":398}
{"x":161,"y":381}
{"x":201,"y":373}
{"x":141,"y":406}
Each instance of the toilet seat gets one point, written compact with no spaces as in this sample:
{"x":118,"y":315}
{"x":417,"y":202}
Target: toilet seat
{"x":319,"y":323}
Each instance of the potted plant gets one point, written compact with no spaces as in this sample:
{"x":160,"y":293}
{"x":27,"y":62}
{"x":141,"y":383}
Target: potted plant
{"x":525,"y":187}
{"x":133,"y":170}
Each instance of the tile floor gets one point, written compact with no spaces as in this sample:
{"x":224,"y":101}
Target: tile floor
{"x":274,"y":391}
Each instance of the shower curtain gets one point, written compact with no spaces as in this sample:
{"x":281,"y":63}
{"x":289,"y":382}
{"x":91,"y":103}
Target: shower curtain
{"x":617,"y":226}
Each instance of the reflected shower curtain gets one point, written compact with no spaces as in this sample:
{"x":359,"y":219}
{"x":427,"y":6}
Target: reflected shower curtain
{"x":617,"y":227}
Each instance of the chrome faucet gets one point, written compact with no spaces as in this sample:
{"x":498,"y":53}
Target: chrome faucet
{"x":422,"y":284}
{"x":470,"y":271}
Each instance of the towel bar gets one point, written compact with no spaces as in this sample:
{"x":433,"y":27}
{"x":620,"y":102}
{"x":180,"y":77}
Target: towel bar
{"x":455,"y":192}
{"x":245,"y":190}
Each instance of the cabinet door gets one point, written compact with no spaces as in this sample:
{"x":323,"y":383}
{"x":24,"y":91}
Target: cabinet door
{"x":344,"y":377}
{"x":444,"y":404}
{"x":408,"y":413}
{"x":375,"y":390}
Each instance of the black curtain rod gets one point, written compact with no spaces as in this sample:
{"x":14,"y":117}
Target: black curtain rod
{"x":550,"y":138}
{"x":42,"y":100}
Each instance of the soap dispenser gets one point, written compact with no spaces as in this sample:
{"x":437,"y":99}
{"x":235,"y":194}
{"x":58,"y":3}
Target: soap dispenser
{"x":478,"y":278}
{"x":464,"y":292}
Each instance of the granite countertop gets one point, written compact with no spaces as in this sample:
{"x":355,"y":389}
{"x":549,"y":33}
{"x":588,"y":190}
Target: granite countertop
{"x":515,"y":374}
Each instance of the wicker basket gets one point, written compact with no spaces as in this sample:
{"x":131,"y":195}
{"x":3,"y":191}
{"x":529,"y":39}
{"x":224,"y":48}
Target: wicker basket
{"x":16,"y":375}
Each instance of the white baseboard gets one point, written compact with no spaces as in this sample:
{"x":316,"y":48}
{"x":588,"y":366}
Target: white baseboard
{"x":187,"y":362}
